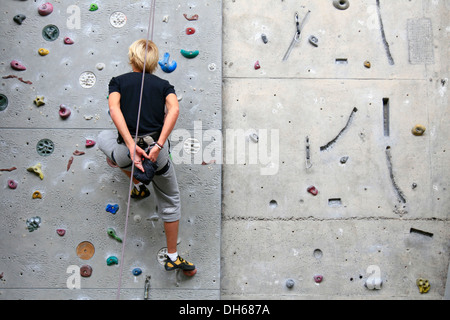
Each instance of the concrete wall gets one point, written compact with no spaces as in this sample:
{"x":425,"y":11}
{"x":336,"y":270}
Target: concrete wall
{"x":286,"y":233}
{"x":250,"y":224}
{"x":34,"y":265}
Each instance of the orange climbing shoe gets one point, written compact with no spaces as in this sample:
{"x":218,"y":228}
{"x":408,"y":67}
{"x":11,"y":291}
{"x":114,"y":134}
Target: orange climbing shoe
{"x":180,"y":263}
{"x":142,"y":193}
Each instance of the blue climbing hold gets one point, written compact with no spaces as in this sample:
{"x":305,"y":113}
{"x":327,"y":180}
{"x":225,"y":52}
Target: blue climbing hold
{"x":137,"y":271}
{"x":113,"y":208}
{"x":165,"y":65}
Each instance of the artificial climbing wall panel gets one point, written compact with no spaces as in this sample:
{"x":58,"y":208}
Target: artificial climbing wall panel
{"x":343,"y":193}
{"x":84,"y":47}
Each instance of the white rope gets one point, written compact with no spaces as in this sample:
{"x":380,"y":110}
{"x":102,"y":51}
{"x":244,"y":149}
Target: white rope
{"x":149,"y":37}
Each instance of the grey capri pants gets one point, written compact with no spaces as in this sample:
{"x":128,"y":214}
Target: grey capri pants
{"x":165,"y":185}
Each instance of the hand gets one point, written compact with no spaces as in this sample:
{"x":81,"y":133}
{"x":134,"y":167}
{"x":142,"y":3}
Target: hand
{"x":140,"y":153}
{"x":154,"y":153}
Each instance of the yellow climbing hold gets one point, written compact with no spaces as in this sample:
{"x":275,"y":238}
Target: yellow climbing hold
{"x":43,"y":52}
{"x":37,"y":169}
{"x":37,"y":195}
{"x":418,"y":130}
{"x":424,"y":285}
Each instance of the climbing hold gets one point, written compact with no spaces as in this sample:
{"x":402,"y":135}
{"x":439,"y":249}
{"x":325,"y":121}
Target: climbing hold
{"x":318,"y":278}
{"x":190,"y":31}
{"x":43,"y":52}
{"x":113,"y":208}
{"x":64,"y":112}
{"x":78,"y":153}
{"x":50,"y":32}
{"x":367,"y":64}
{"x":69,"y":163}
{"x":19,"y":18}
{"x":424,"y":285}
{"x":85,"y":250}
{"x":341,"y":4}
{"x":137,"y":271}
{"x":67,"y":40}
{"x":100,"y":66}
{"x":45,"y":147}
{"x":264,"y":38}
{"x":314,"y":41}
{"x":191,"y":18}
{"x":257,"y":65}
{"x":87,"y":79}
{"x":86,"y":271}
{"x":37,"y":195}
{"x":12,"y":184}
{"x":118,"y":19}
{"x":344,"y":160}
{"x":418,"y":130}
{"x":61,"y":232}
{"x":3,"y":102}
{"x":33,"y":223}
{"x":45,"y":9}
{"x":16,"y":65}
{"x":39,"y":101}
{"x":112,"y":260}
{"x":189,"y":54}
{"x":313,"y":190}
{"x":290,"y":283}
{"x":37,"y":169}
{"x":90,"y":143}
{"x":93,"y":7}
{"x":190,"y":273}
{"x":112,"y":233}
{"x":165,"y":65}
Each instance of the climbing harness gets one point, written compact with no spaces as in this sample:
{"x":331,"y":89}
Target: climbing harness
{"x":296,"y":38}
{"x":149,"y":37}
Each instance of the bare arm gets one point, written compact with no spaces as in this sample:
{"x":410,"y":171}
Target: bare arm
{"x":173,"y":110}
{"x":121,"y":125}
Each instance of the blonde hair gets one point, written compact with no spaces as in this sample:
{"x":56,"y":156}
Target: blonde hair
{"x":136,"y":54}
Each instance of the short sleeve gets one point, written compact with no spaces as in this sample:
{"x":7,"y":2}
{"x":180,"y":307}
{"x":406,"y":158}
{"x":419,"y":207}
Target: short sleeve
{"x":114,"y":86}
{"x":168,"y":89}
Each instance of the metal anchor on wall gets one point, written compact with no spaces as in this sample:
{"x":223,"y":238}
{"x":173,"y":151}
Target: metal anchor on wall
{"x":296,"y":38}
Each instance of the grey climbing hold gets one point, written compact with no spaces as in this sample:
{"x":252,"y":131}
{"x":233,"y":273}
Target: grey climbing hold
{"x":19,"y":18}
{"x":290,"y":283}
{"x":3,"y":102}
{"x":33,"y":223}
{"x":264,"y":38}
{"x":341,"y":4}
{"x":50,"y":32}
{"x":45,"y":147}
{"x":314,"y":41}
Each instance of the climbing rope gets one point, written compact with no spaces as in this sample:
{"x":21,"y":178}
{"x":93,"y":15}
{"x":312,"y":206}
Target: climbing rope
{"x":150,"y":29}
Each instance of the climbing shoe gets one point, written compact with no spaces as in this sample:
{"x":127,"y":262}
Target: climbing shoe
{"x":142,"y":193}
{"x":180,"y":263}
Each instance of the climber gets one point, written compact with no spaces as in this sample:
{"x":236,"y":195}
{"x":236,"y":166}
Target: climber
{"x":152,"y":148}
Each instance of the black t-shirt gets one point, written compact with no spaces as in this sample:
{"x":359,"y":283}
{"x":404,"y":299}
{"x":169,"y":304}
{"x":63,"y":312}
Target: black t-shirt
{"x":153,"y":100}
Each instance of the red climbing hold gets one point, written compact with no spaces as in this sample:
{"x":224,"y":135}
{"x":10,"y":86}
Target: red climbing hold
{"x":313,"y":190}
{"x":190,"y":31}
{"x":190,"y":273}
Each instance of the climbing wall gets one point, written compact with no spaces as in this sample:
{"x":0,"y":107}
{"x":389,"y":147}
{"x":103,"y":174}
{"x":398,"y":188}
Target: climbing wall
{"x":349,"y":195}
{"x":59,"y":195}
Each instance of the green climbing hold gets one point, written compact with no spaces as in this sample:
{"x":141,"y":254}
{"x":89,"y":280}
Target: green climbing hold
{"x":189,"y":54}
{"x":112,"y":233}
{"x":93,"y":7}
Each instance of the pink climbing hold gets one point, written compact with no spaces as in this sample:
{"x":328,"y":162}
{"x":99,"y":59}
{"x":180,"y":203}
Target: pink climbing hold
{"x":45,"y":9}
{"x":12,"y":184}
{"x":64,"y":112}
{"x":67,"y":40}
{"x":90,"y":143}
{"x":16,"y":65}
{"x":61,"y":232}
{"x":257,"y":65}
